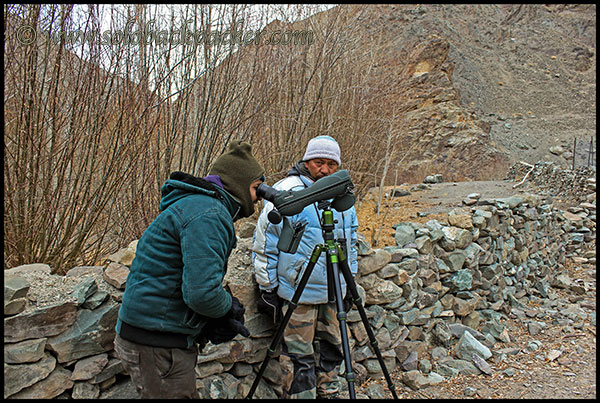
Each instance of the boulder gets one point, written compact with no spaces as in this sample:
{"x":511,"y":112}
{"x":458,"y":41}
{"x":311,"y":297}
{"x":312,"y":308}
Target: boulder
{"x":52,"y":386}
{"x":25,"y":351}
{"x":374,"y":262}
{"x":116,"y":275}
{"x":92,"y":333}
{"x":468,"y":345}
{"x":19,"y":377}
{"x":43,"y":322}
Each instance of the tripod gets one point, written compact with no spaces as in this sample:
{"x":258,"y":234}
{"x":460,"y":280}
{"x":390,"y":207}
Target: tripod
{"x":336,"y":260}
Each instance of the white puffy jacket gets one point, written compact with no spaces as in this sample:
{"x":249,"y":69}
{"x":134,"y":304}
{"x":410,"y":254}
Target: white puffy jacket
{"x":283,"y":271}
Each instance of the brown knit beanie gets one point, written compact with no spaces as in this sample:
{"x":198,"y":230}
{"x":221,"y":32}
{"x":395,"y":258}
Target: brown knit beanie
{"x":237,"y":169}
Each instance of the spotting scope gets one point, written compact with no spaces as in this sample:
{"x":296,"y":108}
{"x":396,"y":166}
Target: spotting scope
{"x":337,"y":186}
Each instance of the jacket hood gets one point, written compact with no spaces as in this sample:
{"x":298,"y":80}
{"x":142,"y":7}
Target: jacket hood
{"x":180,"y":185}
{"x":237,"y":169}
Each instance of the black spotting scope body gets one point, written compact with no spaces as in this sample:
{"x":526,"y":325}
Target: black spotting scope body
{"x":337,"y":186}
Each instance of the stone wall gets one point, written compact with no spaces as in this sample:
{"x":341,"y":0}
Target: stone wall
{"x":547,"y":177}
{"x":437,"y":302}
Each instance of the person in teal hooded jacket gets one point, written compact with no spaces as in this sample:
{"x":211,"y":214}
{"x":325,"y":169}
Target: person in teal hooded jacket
{"x":174,"y":296}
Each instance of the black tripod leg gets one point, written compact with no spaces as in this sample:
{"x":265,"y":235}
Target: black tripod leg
{"x":341,"y":316}
{"x":330,"y":289}
{"x":361,"y":310}
{"x":288,"y":314}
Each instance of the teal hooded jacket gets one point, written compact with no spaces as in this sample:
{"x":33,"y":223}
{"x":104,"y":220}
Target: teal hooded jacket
{"x":175,"y":280}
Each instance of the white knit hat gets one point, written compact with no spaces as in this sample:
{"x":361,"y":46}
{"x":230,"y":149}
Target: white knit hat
{"x":323,"y":147}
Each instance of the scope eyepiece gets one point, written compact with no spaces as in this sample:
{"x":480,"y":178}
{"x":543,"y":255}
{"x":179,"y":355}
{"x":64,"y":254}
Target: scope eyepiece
{"x":266,"y":192}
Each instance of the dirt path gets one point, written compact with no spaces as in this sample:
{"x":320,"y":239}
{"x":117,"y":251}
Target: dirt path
{"x":445,"y":196}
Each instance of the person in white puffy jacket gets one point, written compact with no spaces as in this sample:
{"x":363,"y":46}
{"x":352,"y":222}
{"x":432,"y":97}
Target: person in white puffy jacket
{"x":278,"y":274}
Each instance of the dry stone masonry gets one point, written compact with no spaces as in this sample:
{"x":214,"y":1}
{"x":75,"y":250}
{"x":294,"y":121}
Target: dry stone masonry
{"x":555,"y":181}
{"x":437,"y":303}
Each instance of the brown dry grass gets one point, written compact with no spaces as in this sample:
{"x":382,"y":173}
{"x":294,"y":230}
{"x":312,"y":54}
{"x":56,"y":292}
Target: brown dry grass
{"x":378,"y":228}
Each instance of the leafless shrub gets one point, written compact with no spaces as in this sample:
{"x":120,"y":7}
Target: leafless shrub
{"x":93,"y":131}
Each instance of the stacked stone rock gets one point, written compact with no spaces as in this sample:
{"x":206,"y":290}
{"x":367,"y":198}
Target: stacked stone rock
{"x":437,"y":303}
{"x":555,"y":181}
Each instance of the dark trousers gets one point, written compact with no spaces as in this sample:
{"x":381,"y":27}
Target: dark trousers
{"x":158,"y":372}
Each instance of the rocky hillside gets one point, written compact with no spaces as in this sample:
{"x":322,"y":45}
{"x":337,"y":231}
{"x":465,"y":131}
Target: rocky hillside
{"x":477,"y":88}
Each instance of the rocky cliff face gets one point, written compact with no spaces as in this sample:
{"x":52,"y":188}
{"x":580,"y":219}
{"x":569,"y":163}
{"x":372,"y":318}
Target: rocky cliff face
{"x":478,"y":87}
{"x":519,"y":78}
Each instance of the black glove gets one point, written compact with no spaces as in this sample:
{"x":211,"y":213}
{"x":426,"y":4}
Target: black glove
{"x":225,"y":328}
{"x":201,"y":339}
{"x":270,"y":304}
{"x":347,"y":301}
{"x":236,"y":311}
{"x":221,"y":330}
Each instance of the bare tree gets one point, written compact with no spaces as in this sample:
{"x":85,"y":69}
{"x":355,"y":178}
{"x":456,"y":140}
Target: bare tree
{"x":93,"y":128}
{"x":73,"y":140}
